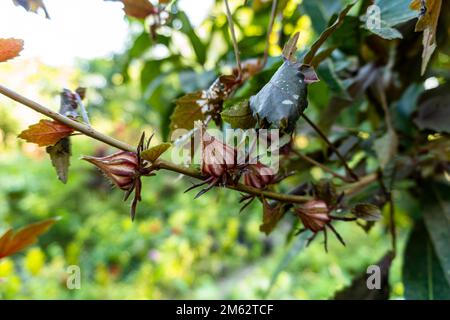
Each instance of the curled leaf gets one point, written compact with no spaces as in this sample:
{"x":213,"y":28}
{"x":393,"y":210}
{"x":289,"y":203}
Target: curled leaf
{"x":283,"y":99}
{"x":367,"y":211}
{"x":427,"y":23}
{"x":32,"y":6}
{"x":60,"y":156}
{"x":155,"y":152}
{"x":10,"y":48}
{"x":271,"y":216}
{"x":46,"y":133}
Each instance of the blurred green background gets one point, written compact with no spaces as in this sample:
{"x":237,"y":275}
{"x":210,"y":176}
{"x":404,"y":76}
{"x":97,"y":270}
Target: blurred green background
{"x":177,"y":247}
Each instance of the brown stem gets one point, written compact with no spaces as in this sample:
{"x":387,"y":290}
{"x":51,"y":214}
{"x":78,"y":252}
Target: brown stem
{"x":269,"y":32}
{"x":387,"y":190}
{"x":159,"y":164}
{"x":322,"y":166}
{"x":392,"y":226}
{"x":331,"y":145}
{"x":233,"y":38}
{"x":81,"y":127}
{"x":362,"y":183}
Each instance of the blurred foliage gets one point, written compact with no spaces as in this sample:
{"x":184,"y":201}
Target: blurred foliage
{"x":180,"y":248}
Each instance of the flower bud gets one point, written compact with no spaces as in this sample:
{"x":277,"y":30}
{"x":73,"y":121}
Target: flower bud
{"x":120,"y":167}
{"x":314,"y":215}
{"x":217,"y":157}
{"x":258,"y":175}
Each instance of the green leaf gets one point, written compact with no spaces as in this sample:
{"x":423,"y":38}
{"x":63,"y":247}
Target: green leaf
{"x":367,"y":211}
{"x":327,"y":73}
{"x":423,"y":276}
{"x":387,"y":32}
{"x":325,"y":35}
{"x":155,"y":152}
{"x":386,"y":147}
{"x":60,"y":157}
{"x":437,"y":220}
{"x":316,"y":11}
{"x":140,"y":45}
{"x":239,"y":116}
{"x":296,"y":247}
{"x":348,"y":36}
{"x":197,"y":45}
{"x":391,"y":13}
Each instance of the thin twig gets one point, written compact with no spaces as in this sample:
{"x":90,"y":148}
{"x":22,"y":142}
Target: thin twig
{"x":387,"y":190}
{"x":233,"y":38}
{"x":392,"y":225}
{"x":331,"y":145}
{"x":322,"y":166}
{"x":159,"y":164}
{"x":361,"y":184}
{"x":269,"y":32}
{"x":81,"y":127}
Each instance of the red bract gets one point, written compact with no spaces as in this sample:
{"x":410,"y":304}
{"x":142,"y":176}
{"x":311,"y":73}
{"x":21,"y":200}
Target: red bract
{"x":315,"y":216}
{"x":125,"y":170}
{"x":217,"y":157}
{"x":258,"y":175}
{"x":121,"y":168}
{"x":218,"y":163}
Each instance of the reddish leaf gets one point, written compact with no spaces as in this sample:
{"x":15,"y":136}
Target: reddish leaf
{"x":138,"y":8}
{"x":12,"y":242}
{"x":10,"y":48}
{"x":46,"y":133}
{"x":188,"y":110}
{"x":271,"y":216}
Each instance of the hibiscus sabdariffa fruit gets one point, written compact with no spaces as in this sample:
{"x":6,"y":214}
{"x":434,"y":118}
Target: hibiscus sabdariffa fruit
{"x":125,"y":169}
{"x":315,"y":216}
{"x":258,"y":175}
{"x":218,"y":163}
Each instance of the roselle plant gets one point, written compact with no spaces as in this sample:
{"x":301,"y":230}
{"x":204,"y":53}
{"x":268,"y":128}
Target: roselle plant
{"x":358,"y":88}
